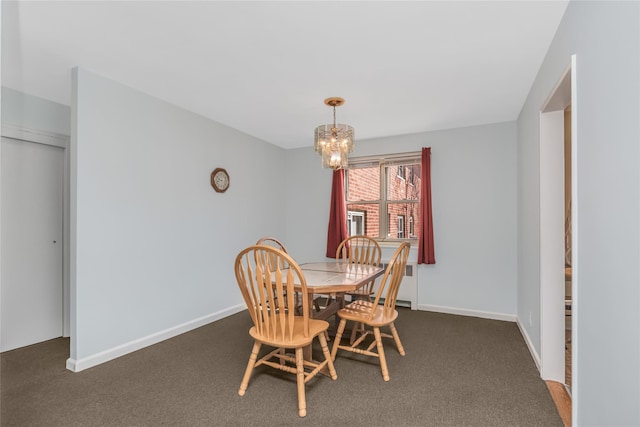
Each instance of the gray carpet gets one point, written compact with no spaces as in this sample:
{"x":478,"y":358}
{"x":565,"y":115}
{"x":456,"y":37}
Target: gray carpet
{"x":458,"y":371}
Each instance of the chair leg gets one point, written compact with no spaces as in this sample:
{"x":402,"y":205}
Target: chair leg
{"x":327,"y":356}
{"x":358,"y":327}
{"x":396,"y":338}
{"x":383,"y":360}
{"x":283,"y":352}
{"x":302,"y":402}
{"x":354,"y":331}
{"x":336,"y":340}
{"x":250,"y":365}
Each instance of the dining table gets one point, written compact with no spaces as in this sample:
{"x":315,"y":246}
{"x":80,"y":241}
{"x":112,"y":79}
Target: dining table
{"x":332,"y":279}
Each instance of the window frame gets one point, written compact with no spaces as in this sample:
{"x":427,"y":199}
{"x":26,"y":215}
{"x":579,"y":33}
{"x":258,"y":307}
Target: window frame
{"x":382,"y":162}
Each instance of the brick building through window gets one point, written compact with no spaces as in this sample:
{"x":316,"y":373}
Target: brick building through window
{"x":383,"y":196}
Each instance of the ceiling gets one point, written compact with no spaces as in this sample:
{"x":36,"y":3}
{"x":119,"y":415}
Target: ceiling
{"x":265,"y":67}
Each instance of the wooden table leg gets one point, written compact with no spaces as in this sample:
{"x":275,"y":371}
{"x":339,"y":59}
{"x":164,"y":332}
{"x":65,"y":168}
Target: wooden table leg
{"x":332,"y":307}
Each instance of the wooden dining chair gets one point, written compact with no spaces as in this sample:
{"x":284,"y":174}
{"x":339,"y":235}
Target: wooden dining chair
{"x":272,"y":241}
{"x":376,"y":315}
{"x":360,"y":250}
{"x":266,"y":277}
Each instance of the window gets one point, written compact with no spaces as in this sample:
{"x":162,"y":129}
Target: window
{"x":412,"y":229}
{"x":381,"y":193}
{"x":400,"y":226}
{"x":401,"y":170}
{"x":355,"y":223}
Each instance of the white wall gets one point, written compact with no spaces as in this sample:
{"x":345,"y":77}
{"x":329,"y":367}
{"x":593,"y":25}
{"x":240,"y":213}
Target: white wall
{"x":146,"y":216}
{"x":473,"y":172}
{"x":605,"y":37}
{"x":30,"y":112}
{"x":153,"y":244}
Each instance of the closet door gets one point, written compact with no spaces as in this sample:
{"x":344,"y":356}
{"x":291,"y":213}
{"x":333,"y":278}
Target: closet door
{"x":32,"y":220}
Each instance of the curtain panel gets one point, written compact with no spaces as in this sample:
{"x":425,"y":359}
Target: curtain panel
{"x":337,"y":215}
{"x":426,"y":252}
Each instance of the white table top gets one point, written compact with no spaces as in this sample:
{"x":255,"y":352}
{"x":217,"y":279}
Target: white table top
{"x":334,"y":276}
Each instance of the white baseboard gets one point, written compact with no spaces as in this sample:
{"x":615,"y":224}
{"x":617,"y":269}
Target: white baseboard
{"x":77,"y":365}
{"x":465,"y":312}
{"x":532,"y":349}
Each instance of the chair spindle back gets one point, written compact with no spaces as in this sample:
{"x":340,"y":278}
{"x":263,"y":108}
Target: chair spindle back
{"x":392,"y":279}
{"x":360,"y":250}
{"x":272,"y":241}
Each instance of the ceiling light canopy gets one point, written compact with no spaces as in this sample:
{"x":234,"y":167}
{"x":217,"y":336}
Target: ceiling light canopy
{"x":334,"y":141}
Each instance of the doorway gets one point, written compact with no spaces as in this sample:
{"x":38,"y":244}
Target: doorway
{"x":557,"y":224}
{"x":32,"y":292}
{"x":568,"y":232}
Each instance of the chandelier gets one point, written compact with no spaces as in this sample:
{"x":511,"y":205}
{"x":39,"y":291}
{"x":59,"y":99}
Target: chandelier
{"x":334,"y":141}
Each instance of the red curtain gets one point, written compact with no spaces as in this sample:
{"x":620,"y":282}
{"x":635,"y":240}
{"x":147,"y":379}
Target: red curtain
{"x":337,"y":215}
{"x":426,"y":253}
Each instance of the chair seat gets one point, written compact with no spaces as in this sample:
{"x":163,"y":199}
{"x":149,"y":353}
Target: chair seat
{"x":359,"y":311}
{"x":298,"y":339}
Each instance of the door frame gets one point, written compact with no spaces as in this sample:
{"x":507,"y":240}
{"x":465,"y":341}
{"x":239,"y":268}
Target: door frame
{"x":61,"y":141}
{"x":552,"y":307}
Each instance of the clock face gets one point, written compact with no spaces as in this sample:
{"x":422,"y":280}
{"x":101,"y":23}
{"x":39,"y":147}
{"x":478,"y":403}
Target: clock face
{"x":220,"y":180}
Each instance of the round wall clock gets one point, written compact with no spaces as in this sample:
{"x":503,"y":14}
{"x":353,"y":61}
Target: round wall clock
{"x":220,"y":180}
